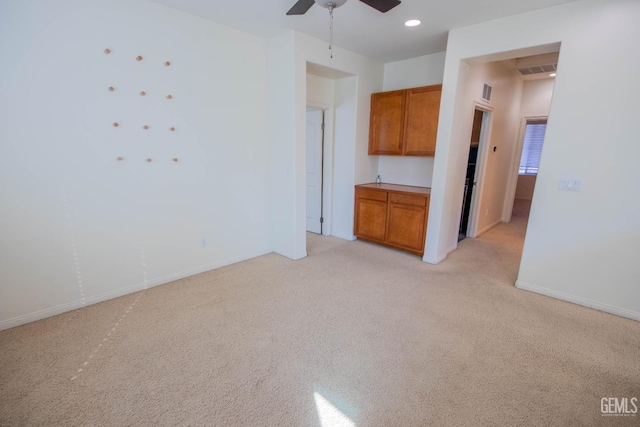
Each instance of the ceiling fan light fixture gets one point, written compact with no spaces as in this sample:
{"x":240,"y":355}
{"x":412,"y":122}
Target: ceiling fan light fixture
{"x":333,"y":3}
{"x":412,"y":23}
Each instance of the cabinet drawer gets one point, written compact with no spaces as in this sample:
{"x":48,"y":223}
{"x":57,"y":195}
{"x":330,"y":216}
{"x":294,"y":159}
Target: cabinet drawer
{"x":363,"y":193}
{"x":408,"y":199}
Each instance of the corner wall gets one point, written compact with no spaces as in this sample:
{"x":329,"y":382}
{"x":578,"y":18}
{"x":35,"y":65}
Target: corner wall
{"x":421,"y":71}
{"x":580,"y":246}
{"x":352,"y":165}
{"x":78,"y":226}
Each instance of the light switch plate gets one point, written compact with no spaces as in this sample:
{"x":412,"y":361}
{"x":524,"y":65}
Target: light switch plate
{"x":570,"y":184}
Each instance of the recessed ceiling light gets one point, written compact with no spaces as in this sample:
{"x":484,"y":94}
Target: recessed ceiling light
{"x":552,"y":75}
{"x":413,"y":23}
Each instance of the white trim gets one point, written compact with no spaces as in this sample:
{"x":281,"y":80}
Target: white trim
{"x":488,"y":227}
{"x":348,"y":237}
{"x":618,"y":311}
{"x":436,"y":260}
{"x":315,"y":225}
{"x":327,"y":172}
{"x":481,"y":166}
{"x":52,"y":311}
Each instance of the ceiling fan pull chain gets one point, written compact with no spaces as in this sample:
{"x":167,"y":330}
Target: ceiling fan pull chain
{"x":331,"y":6}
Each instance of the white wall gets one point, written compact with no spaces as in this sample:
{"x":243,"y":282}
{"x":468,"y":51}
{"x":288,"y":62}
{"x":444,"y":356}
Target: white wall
{"x":282,"y":119}
{"x":78,"y":226}
{"x":320,"y":90}
{"x":536,"y":97}
{"x":525,"y":186}
{"x":580,"y":246}
{"x":421,"y":71}
{"x":344,"y":157}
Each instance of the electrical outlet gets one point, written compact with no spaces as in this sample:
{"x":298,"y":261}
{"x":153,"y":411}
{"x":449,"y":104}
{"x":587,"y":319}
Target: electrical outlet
{"x":203,"y":242}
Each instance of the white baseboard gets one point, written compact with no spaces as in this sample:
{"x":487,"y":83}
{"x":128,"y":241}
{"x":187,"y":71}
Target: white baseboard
{"x":434,"y":260}
{"x":350,"y":238}
{"x":488,"y":227}
{"x":62,"y":308}
{"x":439,"y":258}
{"x":618,"y":311}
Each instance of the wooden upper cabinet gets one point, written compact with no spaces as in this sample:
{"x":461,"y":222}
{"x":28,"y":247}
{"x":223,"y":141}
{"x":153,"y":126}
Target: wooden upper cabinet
{"x":405,"y":122}
{"x":421,"y":122}
{"x":386,"y":127}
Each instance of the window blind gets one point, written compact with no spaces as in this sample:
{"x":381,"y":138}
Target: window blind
{"x":532,"y":148}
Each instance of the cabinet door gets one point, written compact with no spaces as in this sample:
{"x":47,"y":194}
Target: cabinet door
{"x":371,"y":219}
{"x":386,"y":126}
{"x":421,"y":121}
{"x":406,"y":227}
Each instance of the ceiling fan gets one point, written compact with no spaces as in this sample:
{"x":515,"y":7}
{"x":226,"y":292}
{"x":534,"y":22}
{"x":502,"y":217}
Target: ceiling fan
{"x":301,"y":6}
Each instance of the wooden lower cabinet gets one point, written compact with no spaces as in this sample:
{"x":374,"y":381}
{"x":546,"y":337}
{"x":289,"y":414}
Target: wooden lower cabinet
{"x":393,"y":215}
{"x":372,"y":219}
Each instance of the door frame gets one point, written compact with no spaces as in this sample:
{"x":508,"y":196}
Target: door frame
{"x":327,"y":165}
{"x":314,"y":224}
{"x":481,"y":165}
{"x":512,"y":184}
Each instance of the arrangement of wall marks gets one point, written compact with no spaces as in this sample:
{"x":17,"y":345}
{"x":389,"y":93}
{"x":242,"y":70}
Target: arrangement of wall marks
{"x":145,"y":126}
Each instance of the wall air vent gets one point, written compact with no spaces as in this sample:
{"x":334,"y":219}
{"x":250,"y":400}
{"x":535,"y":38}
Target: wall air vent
{"x":486,"y":92}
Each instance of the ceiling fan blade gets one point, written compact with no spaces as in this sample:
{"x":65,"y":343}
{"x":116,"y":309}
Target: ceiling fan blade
{"x":301,"y":7}
{"x":382,"y":5}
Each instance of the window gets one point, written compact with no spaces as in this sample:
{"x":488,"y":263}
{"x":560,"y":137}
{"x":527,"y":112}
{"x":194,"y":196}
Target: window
{"x":532,"y":147}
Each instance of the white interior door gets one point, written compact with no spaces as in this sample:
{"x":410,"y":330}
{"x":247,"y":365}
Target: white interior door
{"x":314,"y":170}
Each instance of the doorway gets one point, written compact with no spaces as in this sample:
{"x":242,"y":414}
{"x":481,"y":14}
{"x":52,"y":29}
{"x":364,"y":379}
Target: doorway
{"x":528,"y":153}
{"x":470,"y":179}
{"x":315,"y":167}
{"x":468,"y":220}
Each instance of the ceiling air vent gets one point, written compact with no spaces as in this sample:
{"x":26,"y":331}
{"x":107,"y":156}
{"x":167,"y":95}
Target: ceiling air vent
{"x":547,"y":68}
{"x":486,"y":92}
{"x":538,"y":64}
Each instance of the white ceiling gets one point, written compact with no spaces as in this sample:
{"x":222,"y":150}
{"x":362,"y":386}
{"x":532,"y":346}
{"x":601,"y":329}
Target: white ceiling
{"x":358,"y":27}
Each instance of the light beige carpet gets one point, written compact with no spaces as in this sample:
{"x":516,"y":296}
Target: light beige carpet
{"x":355,"y":333}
